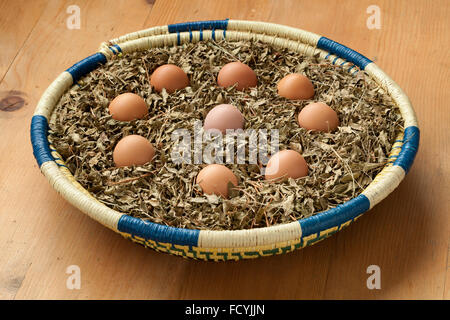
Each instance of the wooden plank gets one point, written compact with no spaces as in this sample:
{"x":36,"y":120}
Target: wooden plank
{"x":406,"y":235}
{"x":32,"y":214}
{"x":446,"y":295}
{"x":18,"y":20}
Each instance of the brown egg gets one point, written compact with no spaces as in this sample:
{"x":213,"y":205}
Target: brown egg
{"x":133,"y":150}
{"x":318,"y":116}
{"x":286,"y":164}
{"x":237,"y":73}
{"x":223,"y":117}
{"x":128,"y":106}
{"x":214,"y":179}
{"x":295,"y":86}
{"x":170,"y":77}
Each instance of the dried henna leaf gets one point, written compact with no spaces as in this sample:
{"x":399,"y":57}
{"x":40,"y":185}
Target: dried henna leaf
{"x":341,"y":164}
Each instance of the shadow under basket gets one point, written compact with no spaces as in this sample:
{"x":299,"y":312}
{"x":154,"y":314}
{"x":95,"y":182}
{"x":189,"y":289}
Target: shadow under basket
{"x":235,"y":244}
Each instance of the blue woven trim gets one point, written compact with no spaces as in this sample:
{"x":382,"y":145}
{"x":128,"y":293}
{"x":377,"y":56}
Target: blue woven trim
{"x":157,"y":232}
{"x":38,"y":133}
{"x":198,"y":25}
{"x":343,"y":52}
{"x":117,"y":47}
{"x":335,"y":217}
{"x":85,"y":66}
{"x":410,"y":146}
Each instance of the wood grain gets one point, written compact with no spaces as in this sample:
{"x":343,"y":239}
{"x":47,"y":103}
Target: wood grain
{"x":407,"y":234}
{"x":15,"y":34}
{"x":31,"y":207}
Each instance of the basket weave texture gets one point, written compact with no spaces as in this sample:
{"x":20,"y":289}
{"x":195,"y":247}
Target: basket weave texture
{"x":236,"y":244}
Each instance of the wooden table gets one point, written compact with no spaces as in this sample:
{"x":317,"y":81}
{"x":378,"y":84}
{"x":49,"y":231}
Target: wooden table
{"x":407,"y":235}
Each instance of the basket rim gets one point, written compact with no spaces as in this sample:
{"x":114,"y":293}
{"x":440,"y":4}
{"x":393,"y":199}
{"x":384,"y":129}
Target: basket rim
{"x":325,"y":222}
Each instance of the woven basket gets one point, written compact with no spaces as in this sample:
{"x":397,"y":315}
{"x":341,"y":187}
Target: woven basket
{"x":236,"y":244}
